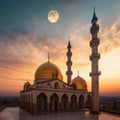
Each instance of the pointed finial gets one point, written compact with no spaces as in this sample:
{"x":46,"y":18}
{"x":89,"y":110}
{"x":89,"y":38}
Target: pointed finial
{"x":94,"y":9}
{"x":78,"y":72}
{"x":48,"y":56}
{"x":94,"y":16}
{"x":69,"y":38}
{"x":69,"y":45}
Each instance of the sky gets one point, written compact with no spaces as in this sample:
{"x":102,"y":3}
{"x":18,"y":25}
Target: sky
{"x":26,"y":36}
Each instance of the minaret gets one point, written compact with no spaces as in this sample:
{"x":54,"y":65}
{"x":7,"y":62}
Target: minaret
{"x":69,"y":63}
{"x":95,"y":56}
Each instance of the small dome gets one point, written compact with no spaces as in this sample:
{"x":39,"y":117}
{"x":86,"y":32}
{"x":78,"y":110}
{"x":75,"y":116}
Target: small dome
{"x":26,"y":86}
{"x":79,"y":83}
{"x":48,"y":71}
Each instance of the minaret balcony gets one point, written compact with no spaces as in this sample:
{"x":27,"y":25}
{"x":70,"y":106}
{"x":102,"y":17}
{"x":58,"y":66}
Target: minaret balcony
{"x":94,"y":42}
{"x":69,"y":63}
{"x":94,"y":28}
{"x":69,"y":73}
{"x":69,"y":54}
{"x":95,"y":74}
{"x":95,"y":55}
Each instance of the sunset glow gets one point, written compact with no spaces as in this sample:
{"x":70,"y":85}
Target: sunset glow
{"x":26,"y":36}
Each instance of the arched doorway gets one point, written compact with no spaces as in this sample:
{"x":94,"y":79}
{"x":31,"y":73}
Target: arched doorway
{"x":64,"y":102}
{"x":89,"y":102}
{"x":42,"y":103}
{"x":73,"y":102}
{"x":54,"y":102}
{"x":81,"y":102}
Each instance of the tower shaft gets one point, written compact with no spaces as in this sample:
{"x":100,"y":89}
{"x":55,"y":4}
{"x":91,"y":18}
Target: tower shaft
{"x":69,"y":63}
{"x":95,"y":56}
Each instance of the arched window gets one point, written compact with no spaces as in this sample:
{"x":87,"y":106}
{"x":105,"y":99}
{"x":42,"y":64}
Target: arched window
{"x":56,"y":85}
{"x":64,"y":87}
{"x":49,"y":85}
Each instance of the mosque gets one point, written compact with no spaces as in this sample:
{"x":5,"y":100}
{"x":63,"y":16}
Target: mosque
{"x":49,"y":93}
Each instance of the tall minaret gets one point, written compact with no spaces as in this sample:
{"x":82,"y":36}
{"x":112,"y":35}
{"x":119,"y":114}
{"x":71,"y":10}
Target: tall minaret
{"x":69,"y":63}
{"x":95,"y":56}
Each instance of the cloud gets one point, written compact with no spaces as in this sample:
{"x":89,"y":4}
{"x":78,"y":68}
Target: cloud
{"x":29,"y":48}
{"x":21,"y":52}
{"x":71,"y":3}
{"x":110,"y":37}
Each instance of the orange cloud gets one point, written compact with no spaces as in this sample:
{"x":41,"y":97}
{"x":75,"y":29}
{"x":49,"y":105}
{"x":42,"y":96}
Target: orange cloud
{"x":22,"y":57}
{"x":110,"y":37}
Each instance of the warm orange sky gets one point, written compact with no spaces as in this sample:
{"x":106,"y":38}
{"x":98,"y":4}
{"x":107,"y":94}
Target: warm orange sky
{"x":26,"y":37}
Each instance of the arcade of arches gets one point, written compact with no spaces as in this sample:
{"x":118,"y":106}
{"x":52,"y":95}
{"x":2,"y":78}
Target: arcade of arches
{"x":56,"y":102}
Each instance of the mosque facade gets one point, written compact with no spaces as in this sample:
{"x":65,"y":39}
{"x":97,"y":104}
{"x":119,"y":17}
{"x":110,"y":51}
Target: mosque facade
{"x":49,"y":93}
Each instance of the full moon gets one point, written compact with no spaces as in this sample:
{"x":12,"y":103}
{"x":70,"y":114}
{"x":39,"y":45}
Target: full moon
{"x":53,"y":16}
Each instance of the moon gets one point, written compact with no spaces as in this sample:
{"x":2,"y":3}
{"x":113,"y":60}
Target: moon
{"x":53,"y":16}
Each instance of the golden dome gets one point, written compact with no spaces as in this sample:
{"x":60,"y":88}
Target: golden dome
{"x":79,"y":83}
{"x":26,"y":86}
{"x":48,"y":70}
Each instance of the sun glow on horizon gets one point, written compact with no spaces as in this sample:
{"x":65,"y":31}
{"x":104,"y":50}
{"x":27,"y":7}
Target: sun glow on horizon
{"x":26,"y":36}
{"x":109,"y":79}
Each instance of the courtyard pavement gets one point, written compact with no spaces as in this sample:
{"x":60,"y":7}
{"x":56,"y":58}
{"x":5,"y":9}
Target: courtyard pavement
{"x":14,"y":113}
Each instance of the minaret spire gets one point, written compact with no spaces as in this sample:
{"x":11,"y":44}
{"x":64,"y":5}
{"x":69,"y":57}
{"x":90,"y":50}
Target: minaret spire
{"x":78,"y":72}
{"x":69,"y":45}
{"x":95,"y":56}
{"x":94,"y":9}
{"x":94,"y":16}
{"x":69,"y":63}
{"x":48,"y":56}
